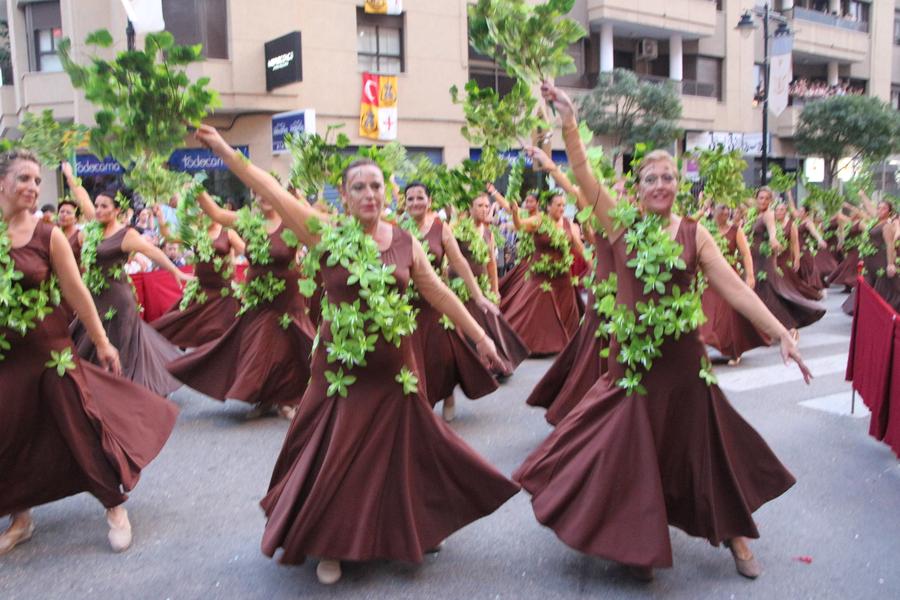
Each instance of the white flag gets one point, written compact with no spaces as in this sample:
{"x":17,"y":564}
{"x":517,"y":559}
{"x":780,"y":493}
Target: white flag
{"x":781,"y":72}
{"x":145,"y":15}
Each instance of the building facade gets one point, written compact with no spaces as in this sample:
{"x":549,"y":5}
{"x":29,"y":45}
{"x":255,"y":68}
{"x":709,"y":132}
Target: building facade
{"x":839,"y":46}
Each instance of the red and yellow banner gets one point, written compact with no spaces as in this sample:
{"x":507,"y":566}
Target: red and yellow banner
{"x":384,"y":7}
{"x":378,"y":107}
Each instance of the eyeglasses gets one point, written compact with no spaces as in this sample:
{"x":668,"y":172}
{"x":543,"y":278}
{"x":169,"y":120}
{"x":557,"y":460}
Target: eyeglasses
{"x":650,"y":180}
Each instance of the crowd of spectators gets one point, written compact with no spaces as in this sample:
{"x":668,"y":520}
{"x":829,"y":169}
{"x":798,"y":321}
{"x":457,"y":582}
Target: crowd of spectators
{"x":805,"y":90}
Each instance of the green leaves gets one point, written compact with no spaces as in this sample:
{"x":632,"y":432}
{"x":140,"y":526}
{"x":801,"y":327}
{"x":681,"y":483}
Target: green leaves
{"x":93,"y":276}
{"x":409,"y":381}
{"x":497,"y":122}
{"x":338,"y":383}
{"x":53,"y":142}
{"x":151,"y":178}
{"x":316,"y":160}
{"x":706,"y":372}
{"x":529,"y":41}
{"x":723,"y":174}
{"x":144,"y":98}
{"x":549,"y":265}
{"x":62,"y":361}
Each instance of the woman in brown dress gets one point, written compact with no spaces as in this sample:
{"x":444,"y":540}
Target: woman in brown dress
{"x":543,"y":306}
{"x":783,"y":300}
{"x":623,"y":466}
{"x":263,"y":357}
{"x":811,"y":244}
{"x":725,"y":329}
{"x":444,"y":357}
{"x":143,"y":351}
{"x":483,"y":263}
{"x":367,"y":471}
{"x":788,"y":260}
{"x":214,"y":307}
{"x":582,"y":361}
{"x":71,"y":427}
{"x":851,"y":233}
{"x":880,"y":262}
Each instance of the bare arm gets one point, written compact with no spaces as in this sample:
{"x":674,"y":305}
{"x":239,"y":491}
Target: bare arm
{"x":594,"y":191}
{"x":134,"y":242}
{"x":577,"y":242}
{"x":492,"y":267}
{"x":76,"y":294}
{"x":746,"y":258}
{"x":888,"y":232}
{"x":79,"y":193}
{"x":769,"y":220}
{"x":222,"y":216}
{"x":795,"y":247}
{"x":295,"y":213}
{"x":237,"y":244}
{"x":459,"y":262}
{"x":725,"y":281}
{"x":792,"y":206}
{"x":867,"y":204}
{"x":440,"y":297}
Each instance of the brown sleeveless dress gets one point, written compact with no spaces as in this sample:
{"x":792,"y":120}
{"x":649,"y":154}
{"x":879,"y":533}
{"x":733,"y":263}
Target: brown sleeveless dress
{"x":619,"y":469}
{"x":257,"y":360}
{"x":144,"y":352}
{"x":87,"y":431}
{"x":545,"y":320}
{"x":784,"y":301}
{"x":827,"y":260}
{"x":874,"y":272}
{"x":725,"y":329}
{"x":202,"y":322}
{"x":809,"y":268}
{"x":847,"y":270}
{"x":791,"y":277}
{"x":509,"y":345}
{"x":374,"y":475}
{"x":579,"y":365}
{"x":444,"y":357}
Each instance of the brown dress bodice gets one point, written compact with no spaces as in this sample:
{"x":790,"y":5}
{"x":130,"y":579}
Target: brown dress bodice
{"x":206,"y":272}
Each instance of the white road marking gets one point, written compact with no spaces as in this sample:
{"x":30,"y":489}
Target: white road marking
{"x":742,"y":380}
{"x":839,"y":404}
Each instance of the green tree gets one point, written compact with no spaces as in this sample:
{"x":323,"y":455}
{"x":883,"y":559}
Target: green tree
{"x":859,"y":127}
{"x":632,"y":111}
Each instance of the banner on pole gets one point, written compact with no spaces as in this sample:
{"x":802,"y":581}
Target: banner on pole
{"x":384,"y":7}
{"x":780,"y":73}
{"x":145,"y":15}
{"x":378,"y":107}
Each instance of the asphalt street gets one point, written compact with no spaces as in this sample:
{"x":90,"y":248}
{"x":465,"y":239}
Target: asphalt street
{"x":197,"y":524}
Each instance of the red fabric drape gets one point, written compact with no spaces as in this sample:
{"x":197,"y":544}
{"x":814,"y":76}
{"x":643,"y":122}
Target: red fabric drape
{"x":892,"y":431}
{"x":158,"y":291}
{"x":872,"y":355}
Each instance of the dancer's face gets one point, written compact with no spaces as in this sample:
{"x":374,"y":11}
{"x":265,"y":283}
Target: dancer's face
{"x":363,"y":193}
{"x":721,"y":214}
{"x":657,"y":187}
{"x":106,"y":209}
{"x":557,"y":207}
{"x":763,"y":199}
{"x":417,"y":202}
{"x":531,"y":203}
{"x":884,"y":210}
{"x":480,"y":208}
{"x":780,"y":212}
{"x":21,"y":186}
{"x":65,"y":216}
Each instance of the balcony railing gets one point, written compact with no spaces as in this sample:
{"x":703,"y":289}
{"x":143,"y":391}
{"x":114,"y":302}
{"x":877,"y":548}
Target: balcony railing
{"x":687,"y":87}
{"x":822,"y":18}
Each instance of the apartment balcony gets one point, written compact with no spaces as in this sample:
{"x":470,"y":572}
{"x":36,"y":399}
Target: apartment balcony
{"x":652,"y":18}
{"x":40,"y":91}
{"x":824,"y":36}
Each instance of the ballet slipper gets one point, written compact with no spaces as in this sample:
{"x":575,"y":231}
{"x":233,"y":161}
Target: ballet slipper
{"x":119,"y":536}
{"x":328,"y":571}
{"x":15,"y":535}
{"x":748,"y":567}
{"x":449,"y":409}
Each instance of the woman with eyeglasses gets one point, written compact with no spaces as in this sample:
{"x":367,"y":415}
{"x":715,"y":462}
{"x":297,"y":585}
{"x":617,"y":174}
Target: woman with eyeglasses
{"x":655,"y":442}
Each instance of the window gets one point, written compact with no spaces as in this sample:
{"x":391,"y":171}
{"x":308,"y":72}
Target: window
{"x":43,"y":24}
{"x":202,"y":22}
{"x":897,"y":27}
{"x":379,"y":43}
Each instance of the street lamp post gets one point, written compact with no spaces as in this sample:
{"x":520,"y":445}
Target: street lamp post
{"x":747,"y":26}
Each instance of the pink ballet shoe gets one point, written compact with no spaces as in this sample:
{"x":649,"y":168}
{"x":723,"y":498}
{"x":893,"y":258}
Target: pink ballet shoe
{"x":119,"y":536}
{"x":14,"y":536}
{"x":328,"y":571}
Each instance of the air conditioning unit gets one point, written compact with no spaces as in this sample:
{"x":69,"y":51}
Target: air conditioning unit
{"x":647,"y":49}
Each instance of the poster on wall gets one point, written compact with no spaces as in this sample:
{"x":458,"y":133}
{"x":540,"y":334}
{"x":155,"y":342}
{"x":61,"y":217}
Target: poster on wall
{"x":384,"y":7}
{"x":296,"y":122}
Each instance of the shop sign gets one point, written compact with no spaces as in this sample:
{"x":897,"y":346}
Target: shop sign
{"x":283,"y":61}
{"x":296,"y":123}
{"x":188,"y":160}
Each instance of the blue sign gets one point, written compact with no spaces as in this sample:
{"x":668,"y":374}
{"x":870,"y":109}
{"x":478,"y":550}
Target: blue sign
{"x":88,"y":164}
{"x":188,"y":160}
{"x":295,"y":123}
{"x":191,"y":160}
{"x":558,"y":156}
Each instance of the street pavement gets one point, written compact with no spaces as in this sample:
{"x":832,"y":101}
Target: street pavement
{"x":197,"y":524}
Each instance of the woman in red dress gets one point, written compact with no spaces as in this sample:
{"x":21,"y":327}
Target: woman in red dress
{"x":367,"y":470}
{"x":66,"y":426}
{"x":661,"y":445}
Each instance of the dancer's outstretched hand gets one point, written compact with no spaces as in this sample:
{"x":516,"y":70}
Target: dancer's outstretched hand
{"x":559,"y":99}
{"x":211,"y":138}
{"x":791,"y":351}
{"x":488,"y":353}
{"x":487,"y":306}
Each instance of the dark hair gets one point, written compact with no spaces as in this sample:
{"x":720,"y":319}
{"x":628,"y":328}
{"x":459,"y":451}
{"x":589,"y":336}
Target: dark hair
{"x":48,"y":208}
{"x":69,"y":202}
{"x":415,"y":184}
{"x":8,"y":158}
{"x":355,"y":164}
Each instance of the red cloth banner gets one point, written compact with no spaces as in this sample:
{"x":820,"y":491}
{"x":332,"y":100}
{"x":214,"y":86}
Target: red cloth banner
{"x":892,"y":430}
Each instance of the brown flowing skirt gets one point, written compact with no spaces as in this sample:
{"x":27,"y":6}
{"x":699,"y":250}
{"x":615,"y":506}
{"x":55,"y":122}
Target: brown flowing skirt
{"x":845,"y":273}
{"x":573,"y":372}
{"x":200,"y":322}
{"x":545,"y":320}
{"x":727,"y":330}
{"x":510,"y":346}
{"x":619,"y":469}
{"x":375,"y":475}
{"x":85,"y":431}
{"x":446,"y":360}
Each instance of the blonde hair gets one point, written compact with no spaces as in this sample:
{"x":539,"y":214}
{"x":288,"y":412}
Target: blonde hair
{"x":655,"y":156}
